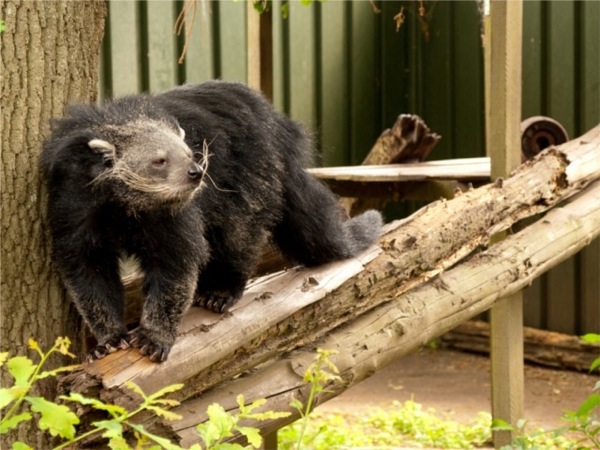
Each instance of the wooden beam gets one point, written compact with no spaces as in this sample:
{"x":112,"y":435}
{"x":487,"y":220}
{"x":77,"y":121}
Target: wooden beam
{"x":503,"y":144}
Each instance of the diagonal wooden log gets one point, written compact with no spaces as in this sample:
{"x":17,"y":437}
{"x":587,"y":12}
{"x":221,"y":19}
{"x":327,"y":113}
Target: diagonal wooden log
{"x":289,"y":310}
{"x":392,"y":330}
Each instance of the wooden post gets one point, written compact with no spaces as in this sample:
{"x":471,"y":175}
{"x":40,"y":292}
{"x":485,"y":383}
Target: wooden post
{"x":260,"y":49}
{"x":503,"y":80}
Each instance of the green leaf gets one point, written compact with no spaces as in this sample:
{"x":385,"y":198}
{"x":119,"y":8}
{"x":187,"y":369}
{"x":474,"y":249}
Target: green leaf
{"x":135,"y":388}
{"x":501,"y":425}
{"x":20,"y":446}
{"x":118,"y":443}
{"x":591,"y":338}
{"x":165,"y":443}
{"x":7,"y":395}
{"x":253,"y":436}
{"x":164,"y":413}
{"x":57,"y":419}
{"x":21,"y":368}
{"x":114,"y":410}
{"x":589,"y":404}
{"x":53,"y":373}
{"x":269,"y":415}
{"x":595,"y":364}
{"x":33,"y":345}
{"x":12,"y":422}
{"x":221,"y":419}
{"x":166,"y":390}
{"x":63,"y":344}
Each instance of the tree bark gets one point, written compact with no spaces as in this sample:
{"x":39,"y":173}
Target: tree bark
{"x":50,"y":56}
{"x":409,"y":271}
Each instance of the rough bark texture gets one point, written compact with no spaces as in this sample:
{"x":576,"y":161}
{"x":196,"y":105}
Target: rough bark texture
{"x":400,"y":294}
{"x":49,"y":53}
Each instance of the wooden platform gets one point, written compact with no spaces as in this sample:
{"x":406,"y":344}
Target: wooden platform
{"x":464,"y":170}
{"x":427,"y":181}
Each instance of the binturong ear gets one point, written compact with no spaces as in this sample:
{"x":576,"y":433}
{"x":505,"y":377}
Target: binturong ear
{"x":108,"y":150}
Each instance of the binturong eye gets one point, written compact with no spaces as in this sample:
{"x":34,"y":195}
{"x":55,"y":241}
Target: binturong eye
{"x":159,"y":163}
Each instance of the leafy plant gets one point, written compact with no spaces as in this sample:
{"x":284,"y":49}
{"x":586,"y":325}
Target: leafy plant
{"x":321,"y":372}
{"x":405,"y":424}
{"x":18,"y":406}
{"x":222,"y":424}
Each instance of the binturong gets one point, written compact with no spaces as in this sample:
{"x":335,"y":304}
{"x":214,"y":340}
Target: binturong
{"x":192,"y":183}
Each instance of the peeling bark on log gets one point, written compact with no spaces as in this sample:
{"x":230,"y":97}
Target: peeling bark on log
{"x":386,"y":288}
{"x":547,"y":348}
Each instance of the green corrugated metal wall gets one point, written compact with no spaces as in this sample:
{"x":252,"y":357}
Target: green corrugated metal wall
{"x":346,"y":72}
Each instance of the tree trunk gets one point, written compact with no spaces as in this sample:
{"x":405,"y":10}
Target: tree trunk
{"x":50,"y":54}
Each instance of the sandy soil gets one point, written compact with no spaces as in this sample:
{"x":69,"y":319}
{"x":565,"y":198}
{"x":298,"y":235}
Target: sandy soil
{"x":457,"y":385}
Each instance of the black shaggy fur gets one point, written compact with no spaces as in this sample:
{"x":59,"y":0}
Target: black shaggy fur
{"x":194,"y":208}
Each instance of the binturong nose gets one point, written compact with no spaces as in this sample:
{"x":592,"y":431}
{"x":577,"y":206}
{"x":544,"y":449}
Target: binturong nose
{"x":194,"y":172}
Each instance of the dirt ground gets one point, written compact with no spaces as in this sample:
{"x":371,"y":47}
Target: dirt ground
{"x":457,"y":385}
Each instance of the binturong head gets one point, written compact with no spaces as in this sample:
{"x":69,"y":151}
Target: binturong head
{"x":127,"y":152}
{"x":147,"y":164}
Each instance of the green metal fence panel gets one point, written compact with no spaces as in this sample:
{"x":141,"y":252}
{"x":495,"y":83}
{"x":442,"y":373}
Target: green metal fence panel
{"x":346,"y":72}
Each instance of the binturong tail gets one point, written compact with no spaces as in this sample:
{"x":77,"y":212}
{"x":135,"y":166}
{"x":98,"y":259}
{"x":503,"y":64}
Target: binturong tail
{"x":313,"y":230}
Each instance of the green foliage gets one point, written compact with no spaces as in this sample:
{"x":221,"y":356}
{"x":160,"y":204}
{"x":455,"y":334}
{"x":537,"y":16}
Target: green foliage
{"x":18,"y":406}
{"x":222,"y":424}
{"x":404,"y":424}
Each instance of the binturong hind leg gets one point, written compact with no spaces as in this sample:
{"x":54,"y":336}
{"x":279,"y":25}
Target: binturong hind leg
{"x":313,"y":230}
{"x":233,"y":258}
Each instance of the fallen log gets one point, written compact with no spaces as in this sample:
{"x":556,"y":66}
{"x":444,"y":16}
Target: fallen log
{"x":546,"y":348}
{"x":297,"y":308}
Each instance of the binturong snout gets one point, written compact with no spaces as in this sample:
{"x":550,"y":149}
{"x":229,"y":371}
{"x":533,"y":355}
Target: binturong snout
{"x":194,"y":171}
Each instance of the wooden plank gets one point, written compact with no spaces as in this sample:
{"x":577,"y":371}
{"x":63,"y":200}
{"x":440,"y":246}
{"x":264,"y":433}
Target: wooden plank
{"x":561,"y":297}
{"x":302,"y":60}
{"x":590,"y":289}
{"x":334,"y":83}
{"x":470,"y":169}
{"x":125,"y":48}
{"x":280,"y":69}
{"x":253,"y":46}
{"x":162,"y":48}
{"x":468,"y":104}
{"x":232,"y":40}
{"x":199,"y":59}
{"x":562,"y":65}
{"x":503,"y":143}
{"x":589,"y":60}
{"x":437,"y":77}
{"x":533,"y":60}
{"x":365,"y":91}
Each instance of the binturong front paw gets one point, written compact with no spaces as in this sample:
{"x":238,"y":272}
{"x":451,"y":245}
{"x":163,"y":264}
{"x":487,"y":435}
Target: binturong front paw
{"x":218,"y":302}
{"x":156,"y":348}
{"x":120,"y":342}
